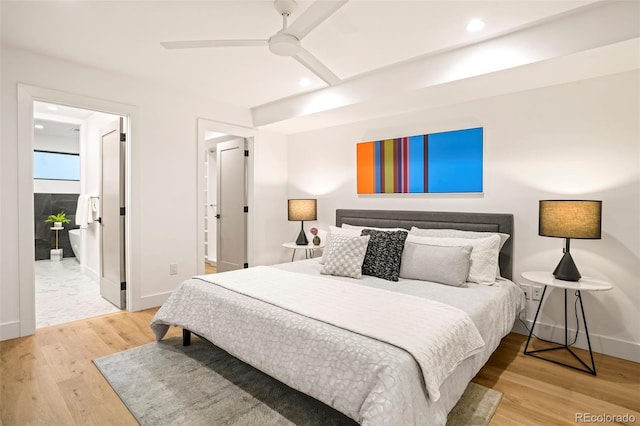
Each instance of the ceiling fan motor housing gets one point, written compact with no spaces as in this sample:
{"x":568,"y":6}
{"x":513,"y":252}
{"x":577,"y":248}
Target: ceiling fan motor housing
{"x":284,"y":44}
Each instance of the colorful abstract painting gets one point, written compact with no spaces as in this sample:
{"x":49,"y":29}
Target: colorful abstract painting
{"x":445,"y":162}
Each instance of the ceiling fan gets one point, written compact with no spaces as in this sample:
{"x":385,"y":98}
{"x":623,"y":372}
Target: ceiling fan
{"x":285,"y":42}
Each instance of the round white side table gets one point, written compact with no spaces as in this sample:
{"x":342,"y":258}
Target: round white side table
{"x":308,"y":249}
{"x":585,"y":284}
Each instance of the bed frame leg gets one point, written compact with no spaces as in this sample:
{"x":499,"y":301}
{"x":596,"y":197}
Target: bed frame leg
{"x":186,"y":337}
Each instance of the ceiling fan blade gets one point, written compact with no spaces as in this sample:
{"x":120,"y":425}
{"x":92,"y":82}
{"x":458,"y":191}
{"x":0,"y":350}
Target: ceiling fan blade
{"x":316,"y":14}
{"x":195,"y":44}
{"x":315,"y":66}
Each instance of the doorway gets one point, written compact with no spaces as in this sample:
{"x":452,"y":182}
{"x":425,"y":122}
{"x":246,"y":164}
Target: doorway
{"x":27,"y":98}
{"x":68,"y":181}
{"x":226,"y":206}
{"x":224,"y":194}
{"x":210,"y":208}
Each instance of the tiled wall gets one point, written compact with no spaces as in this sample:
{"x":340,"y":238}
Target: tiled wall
{"x":45,"y":205}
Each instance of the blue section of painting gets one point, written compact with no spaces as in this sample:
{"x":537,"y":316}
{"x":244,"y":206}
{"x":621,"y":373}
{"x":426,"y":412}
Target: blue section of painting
{"x":416,"y":164}
{"x":377,"y":165}
{"x":455,"y":161}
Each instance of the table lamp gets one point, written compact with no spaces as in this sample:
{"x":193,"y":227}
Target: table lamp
{"x":302,"y":209}
{"x":569,"y":219}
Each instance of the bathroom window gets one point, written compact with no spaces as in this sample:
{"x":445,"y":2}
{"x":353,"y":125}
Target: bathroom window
{"x":56,"y":165}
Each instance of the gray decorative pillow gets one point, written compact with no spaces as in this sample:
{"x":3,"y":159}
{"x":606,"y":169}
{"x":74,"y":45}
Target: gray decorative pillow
{"x":440,"y":264}
{"x":484,"y":256}
{"x":457,"y":233}
{"x":345,"y":256}
{"x":384,"y":253}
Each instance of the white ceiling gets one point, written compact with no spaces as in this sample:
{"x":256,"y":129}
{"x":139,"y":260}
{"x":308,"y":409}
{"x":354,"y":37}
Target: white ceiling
{"x":58,"y":120}
{"x":44,"y":109}
{"x":359,"y":39}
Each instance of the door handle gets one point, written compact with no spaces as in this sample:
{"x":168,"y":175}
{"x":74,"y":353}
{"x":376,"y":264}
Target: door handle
{"x":218,"y":216}
{"x":99,"y":220}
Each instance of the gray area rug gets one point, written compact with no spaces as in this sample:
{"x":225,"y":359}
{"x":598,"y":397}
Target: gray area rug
{"x":165,"y":383}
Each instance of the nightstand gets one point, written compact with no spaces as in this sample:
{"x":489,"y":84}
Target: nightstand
{"x":308,"y":249}
{"x":585,"y":284}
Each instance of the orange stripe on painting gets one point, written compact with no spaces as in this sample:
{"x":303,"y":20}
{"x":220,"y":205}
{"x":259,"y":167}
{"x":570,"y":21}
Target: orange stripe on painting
{"x":365,"y":156}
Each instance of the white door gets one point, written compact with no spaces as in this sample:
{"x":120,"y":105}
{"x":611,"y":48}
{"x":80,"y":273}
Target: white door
{"x":112,"y":266}
{"x":231,"y":195}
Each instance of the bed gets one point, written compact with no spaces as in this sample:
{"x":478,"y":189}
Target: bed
{"x":361,"y":352}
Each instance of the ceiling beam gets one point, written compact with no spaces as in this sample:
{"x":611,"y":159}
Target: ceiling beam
{"x":590,"y":27}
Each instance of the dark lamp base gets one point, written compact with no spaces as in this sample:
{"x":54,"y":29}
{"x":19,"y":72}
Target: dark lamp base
{"x":567,"y":269}
{"x":302,"y":239}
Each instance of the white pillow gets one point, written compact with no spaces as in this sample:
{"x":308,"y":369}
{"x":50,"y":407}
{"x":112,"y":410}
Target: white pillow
{"x":484,"y":256}
{"x":441,"y":264}
{"x":457,"y":233}
{"x":334,"y":230}
{"x":345,"y":256}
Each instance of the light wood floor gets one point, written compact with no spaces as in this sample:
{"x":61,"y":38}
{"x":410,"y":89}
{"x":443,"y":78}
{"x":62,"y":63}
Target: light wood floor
{"x":210,"y":269}
{"x":49,"y":378}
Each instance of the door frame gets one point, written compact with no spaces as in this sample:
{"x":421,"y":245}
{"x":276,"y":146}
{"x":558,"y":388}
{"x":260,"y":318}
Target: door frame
{"x":27,"y":94}
{"x":204,"y":126}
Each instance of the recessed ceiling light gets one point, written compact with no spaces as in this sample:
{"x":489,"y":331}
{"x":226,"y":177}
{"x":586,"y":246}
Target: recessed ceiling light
{"x":475,"y":25}
{"x":52,"y":108}
{"x":304,"y":81}
{"x":39,"y":126}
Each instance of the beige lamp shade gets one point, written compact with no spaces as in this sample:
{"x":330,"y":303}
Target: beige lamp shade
{"x":303,"y":209}
{"x":570,"y":219}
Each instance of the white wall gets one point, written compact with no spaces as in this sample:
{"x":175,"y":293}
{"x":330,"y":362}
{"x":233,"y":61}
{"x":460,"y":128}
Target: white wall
{"x":163,"y":171}
{"x":269,"y":226}
{"x":46,"y":186}
{"x":57,"y":143}
{"x":576,"y":140}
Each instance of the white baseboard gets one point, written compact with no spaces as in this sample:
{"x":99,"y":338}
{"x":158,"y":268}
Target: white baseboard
{"x":600,"y":344}
{"x":153,"y":300}
{"x":9,"y":330}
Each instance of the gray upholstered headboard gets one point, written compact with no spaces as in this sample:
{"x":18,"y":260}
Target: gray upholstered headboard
{"x":489,"y":222}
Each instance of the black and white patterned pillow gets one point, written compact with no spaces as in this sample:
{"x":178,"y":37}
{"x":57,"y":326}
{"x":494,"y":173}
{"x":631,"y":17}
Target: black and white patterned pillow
{"x":384,"y":253}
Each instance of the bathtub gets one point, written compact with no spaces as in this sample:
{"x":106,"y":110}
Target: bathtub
{"x":75,"y":238}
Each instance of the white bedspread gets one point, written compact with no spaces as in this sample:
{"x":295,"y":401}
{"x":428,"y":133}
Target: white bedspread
{"x":373,"y":382}
{"x":438,"y":336}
